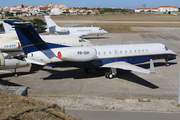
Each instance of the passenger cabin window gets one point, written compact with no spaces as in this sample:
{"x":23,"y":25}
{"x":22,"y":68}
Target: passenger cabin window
{"x":120,"y":52}
{"x":99,"y":53}
{"x":126,"y":51}
{"x":104,"y":53}
{"x":143,"y":51}
{"x":134,"y":51}
{"x":130,"y":51}
{"x":109,"y":52}
{"x":139,"y":51}
{"x":146,"y":50}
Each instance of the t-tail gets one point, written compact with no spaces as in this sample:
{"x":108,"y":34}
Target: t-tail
{"x":30,"y":40}
{"x":8,"y":28}
{"x":51,"y":25}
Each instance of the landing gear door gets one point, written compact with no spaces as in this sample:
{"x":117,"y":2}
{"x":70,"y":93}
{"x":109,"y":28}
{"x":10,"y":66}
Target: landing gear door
{"x":2,"y":60}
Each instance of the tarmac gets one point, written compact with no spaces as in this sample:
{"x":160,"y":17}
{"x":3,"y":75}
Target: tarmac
{"x":73,"y":81}
{"x":121,"y":115}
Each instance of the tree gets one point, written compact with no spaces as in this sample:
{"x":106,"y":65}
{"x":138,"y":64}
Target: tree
{"x":37,"y":21}
{"x":22,"y":6}
{"x":8,"y":14}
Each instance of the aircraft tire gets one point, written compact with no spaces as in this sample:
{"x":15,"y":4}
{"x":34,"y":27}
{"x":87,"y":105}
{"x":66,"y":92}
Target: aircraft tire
{"x":110,"y":75}
{"x":106,"y":74}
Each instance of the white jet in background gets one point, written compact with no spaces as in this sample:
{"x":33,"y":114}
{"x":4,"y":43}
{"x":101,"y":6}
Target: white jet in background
{"x":9,"y":42}
{"x":52,"y":27}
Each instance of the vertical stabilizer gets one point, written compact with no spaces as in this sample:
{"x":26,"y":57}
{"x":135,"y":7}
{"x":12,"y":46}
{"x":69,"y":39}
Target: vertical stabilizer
{"x":50,"y":22}
{"x":8,"y":28}
{"x":30,"y":40}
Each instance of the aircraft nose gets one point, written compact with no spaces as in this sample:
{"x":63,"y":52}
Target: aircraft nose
{"x":172,"y":52}
{"x":105,"y":31}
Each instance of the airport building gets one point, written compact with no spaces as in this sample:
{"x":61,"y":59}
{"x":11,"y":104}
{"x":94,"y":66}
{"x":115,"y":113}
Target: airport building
{"x":160,"y":10}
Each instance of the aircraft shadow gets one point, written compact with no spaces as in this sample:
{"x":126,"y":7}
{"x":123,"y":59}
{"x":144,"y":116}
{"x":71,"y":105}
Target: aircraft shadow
{"x":8,"y":83}
{"x":12,"y":74}
{"x":127,"y":75}
{"x":79,"y":74}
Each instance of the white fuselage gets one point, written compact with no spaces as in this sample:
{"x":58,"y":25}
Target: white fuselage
{"x":81,"y":31}
{"x":133,"y":53}
{"x":77,"y":31}
{"x":10,"y":44}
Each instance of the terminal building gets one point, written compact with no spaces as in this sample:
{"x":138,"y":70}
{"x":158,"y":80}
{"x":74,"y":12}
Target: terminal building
{"x":160,"y":9}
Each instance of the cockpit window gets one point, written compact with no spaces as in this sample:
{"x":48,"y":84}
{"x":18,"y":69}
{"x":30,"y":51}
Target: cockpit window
{"x":81,"y":40}
{"x":166,"y":48}
{"x":100,"y":29}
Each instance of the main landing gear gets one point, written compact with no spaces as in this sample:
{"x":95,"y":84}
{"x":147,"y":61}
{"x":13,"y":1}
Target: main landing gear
{"x":111,"y":74}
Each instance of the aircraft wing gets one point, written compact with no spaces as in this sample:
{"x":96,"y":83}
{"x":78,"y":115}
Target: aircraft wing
{"x":126,"y":66}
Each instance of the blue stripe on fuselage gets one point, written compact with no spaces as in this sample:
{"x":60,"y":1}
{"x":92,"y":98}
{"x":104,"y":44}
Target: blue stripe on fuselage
{"x":99,"y":62}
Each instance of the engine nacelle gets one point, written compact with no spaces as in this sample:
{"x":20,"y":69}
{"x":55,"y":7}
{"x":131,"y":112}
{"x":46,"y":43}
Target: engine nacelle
{"x":78,"y":54}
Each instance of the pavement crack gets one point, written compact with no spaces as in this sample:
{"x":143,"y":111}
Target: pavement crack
{"x":81,"y":87}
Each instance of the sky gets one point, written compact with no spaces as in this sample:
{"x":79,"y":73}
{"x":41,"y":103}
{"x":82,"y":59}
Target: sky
{"x":130,"y":4}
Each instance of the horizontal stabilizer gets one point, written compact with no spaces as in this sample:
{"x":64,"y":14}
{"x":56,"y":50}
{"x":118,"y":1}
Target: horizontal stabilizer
{"x":126,"y":66}
{"x":34,"y":62}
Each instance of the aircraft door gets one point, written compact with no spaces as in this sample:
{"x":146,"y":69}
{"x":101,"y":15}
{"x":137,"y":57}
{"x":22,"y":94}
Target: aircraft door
{"x":2,"y":60}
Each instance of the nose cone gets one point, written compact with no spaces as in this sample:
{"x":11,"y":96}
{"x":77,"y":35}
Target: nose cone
{"x":23,"y":64}
{"x":173,"y":53}
{"x":105,"y":32}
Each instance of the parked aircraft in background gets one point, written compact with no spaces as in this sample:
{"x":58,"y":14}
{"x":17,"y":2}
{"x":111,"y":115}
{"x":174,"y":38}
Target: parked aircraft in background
{"x":52,"y":27}
{"x":8,"y":62}
{"x":90,"y":57}
{"x":10,"y":44}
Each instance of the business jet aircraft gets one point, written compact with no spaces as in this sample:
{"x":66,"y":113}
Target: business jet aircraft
{"x":10,"y":44}
{"x":52,"y":27}
{"x":8,"y":62}
{"x":90,"y":57}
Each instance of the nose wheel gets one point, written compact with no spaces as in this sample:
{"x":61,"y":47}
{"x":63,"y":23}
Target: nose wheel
{"x":15,"y":73}
{"x":166,"y":62}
